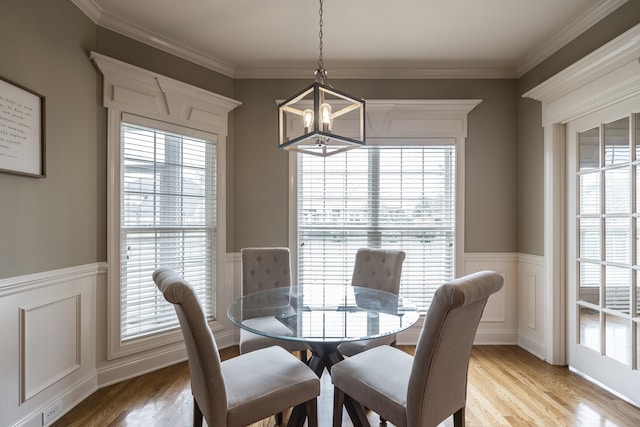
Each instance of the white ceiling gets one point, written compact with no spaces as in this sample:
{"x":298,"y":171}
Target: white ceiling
{"x":362,"y":38}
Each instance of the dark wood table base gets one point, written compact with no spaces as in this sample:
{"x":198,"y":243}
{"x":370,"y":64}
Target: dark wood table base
{"x":325,"y":355}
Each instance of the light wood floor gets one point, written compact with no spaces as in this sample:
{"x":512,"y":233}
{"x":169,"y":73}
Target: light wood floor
{"x":507,"y":387}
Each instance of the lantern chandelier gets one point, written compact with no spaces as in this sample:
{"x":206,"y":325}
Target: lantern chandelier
{"x":321,"y":120}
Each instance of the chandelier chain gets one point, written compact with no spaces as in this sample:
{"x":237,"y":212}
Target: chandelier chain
{"x":321,"y":58}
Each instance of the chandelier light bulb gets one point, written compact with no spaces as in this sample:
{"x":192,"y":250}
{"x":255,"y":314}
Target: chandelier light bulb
{"x":307,"y":117}
{"x":326,"y":117}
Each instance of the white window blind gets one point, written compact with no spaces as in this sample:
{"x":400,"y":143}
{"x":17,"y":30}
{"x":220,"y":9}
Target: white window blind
{"x":168,"y":217}
{"x":395,"y":197}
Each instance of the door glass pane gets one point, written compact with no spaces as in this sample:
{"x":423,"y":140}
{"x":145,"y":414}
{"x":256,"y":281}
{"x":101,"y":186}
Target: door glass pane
{"x":590,"y":283}
{"x":590,"y":238}
{"x":617,"y":288}
{"x":618,"y":240}
{"x":616,"y":142}
{"x":637,"y":222}
{"x":590,"y":193}
{"x":637,"y":345}
{"x":617,"y":195}
{"x":589,"y":323}
{"x":618,"y":339}
{"x":637,"y":119}
{"x":589,"y":149}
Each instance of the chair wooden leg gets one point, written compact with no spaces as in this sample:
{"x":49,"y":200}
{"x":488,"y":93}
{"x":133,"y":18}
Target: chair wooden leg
{"x":338,"y":402}
{"x":197,"y":414}
{"x":458,"y":418}
{"x":312,"y":413}
{"x":303,"y":357}
{"x":279,"y":418}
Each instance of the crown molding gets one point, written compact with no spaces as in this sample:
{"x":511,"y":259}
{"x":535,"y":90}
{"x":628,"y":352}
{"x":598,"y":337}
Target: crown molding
{"x":417,"y":71}
{"x":89,"y":8}
{"x":572,"y":31}
{"x":143,"y":35}
{"x":347,"y":71}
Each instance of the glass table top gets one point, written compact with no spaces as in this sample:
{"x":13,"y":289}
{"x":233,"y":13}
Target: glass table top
{"x":323,"y":313}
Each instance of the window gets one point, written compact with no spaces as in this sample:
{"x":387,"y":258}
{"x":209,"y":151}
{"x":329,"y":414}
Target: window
{"x":168,"y":216}
{"x":166,"y":150}
{"x":389,"y":196}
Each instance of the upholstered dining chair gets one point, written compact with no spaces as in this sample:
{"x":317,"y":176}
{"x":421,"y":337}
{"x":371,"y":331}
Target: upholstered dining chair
{"x":238,"y":391}
{"x":424,"y":389}
{"x":380,"y":269}
{"x":265,"y":268}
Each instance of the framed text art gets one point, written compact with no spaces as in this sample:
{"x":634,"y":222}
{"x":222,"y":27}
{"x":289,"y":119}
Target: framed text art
{"x":22,"y":130}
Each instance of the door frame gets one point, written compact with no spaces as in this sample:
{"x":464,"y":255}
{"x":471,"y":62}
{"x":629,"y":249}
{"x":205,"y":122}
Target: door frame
{"x":607,"y":76}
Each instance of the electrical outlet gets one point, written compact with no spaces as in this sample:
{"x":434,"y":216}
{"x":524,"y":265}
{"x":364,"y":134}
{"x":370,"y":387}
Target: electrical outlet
{"x":51,"y":412}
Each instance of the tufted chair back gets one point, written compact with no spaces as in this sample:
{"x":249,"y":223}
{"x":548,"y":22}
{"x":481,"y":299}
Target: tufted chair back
{"x":378,"y":268}
{"x":438,"y":381}
{"x":207,"y":381}
{"x":265,"y":268}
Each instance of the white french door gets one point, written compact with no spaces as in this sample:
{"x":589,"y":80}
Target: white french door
{"x":603,"y":223}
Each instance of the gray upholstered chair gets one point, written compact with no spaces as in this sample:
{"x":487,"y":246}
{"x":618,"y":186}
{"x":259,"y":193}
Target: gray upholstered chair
{"x":238,"y":391}
{"x":425,"y":389}
{"x":266,"y":268}
{"x":380,"y":269}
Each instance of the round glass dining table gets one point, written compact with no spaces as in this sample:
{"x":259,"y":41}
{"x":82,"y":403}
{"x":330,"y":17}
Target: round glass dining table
{"x":323,"y":316}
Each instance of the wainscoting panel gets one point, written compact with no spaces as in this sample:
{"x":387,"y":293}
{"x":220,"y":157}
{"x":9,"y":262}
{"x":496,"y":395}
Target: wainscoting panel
{"x":47,"y":327}
{"x":531,"y":310}
{"x":58,"y":341}
{"x":499,"y":323}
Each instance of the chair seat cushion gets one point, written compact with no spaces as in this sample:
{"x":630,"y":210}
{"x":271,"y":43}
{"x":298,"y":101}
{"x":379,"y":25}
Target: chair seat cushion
{"x":264,"y":382}
{"x":383,"y":391}
{"x":351,"y":348}
{"x":250,"y":341}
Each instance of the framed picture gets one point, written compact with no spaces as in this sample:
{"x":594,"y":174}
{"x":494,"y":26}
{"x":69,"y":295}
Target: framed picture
{"x":22,"y":130}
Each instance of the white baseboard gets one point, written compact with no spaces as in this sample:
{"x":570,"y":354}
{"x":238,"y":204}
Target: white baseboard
{"x":68,"y":399}
{"x":532,"y":346}
{"x":496,"y":337}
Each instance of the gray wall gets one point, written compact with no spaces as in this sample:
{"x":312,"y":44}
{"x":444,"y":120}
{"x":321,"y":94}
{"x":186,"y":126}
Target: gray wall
{"x":57,"y":221}
{"x":261,"y":170}
{"x":60,"y":221}
{"x":530,"y":133}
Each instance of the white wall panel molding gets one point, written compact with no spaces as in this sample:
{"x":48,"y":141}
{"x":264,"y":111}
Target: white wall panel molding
{"x":34,"y":281}
{"x":48,"y":325}
{"x":531,"y":294}
{"x":499,"y":320}
{"x":39,"y":335}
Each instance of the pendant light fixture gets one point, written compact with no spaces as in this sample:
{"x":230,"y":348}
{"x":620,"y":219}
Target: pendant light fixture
{"x":321,"y":120}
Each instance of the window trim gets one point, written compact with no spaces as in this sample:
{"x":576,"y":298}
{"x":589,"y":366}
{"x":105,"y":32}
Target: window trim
{"x":405,"y":122}
{"x":133,"y":90}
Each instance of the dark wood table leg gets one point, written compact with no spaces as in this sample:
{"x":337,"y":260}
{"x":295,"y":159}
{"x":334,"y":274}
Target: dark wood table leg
{"x":325,"y":355}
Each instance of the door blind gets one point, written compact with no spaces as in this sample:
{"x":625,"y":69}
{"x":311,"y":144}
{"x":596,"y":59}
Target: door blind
{"x":168,"y":217}
{"x":394,"y":197}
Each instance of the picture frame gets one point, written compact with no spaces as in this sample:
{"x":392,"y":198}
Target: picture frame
{"x":22,"y":130}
